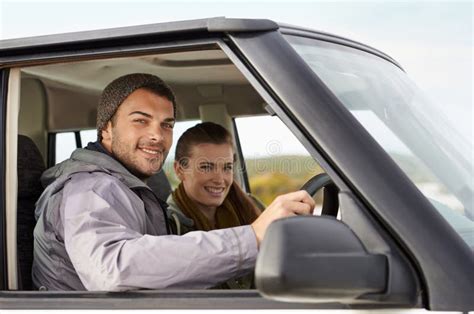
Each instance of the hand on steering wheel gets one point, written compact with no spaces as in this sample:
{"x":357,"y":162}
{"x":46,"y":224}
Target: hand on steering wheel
{"x":330,"y":199}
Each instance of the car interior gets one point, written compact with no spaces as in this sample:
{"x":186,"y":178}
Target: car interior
{"x":61,"y":98}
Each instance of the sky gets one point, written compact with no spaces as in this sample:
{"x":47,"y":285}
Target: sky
{"x":432,"y":40}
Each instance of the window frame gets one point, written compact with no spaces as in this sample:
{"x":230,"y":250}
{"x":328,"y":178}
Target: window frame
{"x":4,"y":79}
{"x":141,"y":298}
{"x":229,"y":298}
{"x":52,"y":147}
{"x":240,"y":157}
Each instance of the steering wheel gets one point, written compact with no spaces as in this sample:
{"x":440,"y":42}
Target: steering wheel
{"x":330,"y":198}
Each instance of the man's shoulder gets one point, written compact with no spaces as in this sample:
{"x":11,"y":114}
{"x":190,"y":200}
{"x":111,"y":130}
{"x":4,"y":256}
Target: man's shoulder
{"x":93,"y":175}
{"x":96,"y":181}
{"x":104,"y":186}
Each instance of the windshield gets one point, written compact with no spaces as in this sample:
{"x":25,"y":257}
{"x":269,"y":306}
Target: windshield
{"x":435,"y":154}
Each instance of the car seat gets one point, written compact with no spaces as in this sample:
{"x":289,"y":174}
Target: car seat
{"x":160,"y":185}
{"x":30,"y":168}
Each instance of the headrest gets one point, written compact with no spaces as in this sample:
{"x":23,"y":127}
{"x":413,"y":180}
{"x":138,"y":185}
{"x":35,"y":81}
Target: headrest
{"x":160,"y":185}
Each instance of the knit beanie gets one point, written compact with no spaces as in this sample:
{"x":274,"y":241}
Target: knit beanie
{"x":119,"y":89}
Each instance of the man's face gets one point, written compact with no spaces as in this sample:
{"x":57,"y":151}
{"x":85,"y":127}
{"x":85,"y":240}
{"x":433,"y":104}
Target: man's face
{"x":141,"y":133}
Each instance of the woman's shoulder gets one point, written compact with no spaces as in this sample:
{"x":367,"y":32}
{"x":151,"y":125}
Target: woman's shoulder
{"x":182,"y":223}
{"x":172,"y":206}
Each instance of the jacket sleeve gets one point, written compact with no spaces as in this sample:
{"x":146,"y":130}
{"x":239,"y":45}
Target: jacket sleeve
{"x":104,"y":237}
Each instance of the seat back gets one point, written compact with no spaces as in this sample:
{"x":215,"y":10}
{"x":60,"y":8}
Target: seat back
{"x":160,"y":185}
{"x":30,"y":168}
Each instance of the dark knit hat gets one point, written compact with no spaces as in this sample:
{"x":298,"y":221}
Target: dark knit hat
{"x":119,"y":89}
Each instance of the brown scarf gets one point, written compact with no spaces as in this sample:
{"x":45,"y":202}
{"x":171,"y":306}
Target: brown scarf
{"x":226,"y":214}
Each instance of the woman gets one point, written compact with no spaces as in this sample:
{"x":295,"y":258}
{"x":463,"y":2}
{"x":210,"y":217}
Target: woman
{"x":207,"y":197}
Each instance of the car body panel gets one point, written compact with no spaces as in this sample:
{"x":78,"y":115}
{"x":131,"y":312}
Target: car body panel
{"x":425,"y":235}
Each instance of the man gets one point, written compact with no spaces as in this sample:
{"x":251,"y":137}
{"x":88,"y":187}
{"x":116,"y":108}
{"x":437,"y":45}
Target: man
{"x":99,"y":225}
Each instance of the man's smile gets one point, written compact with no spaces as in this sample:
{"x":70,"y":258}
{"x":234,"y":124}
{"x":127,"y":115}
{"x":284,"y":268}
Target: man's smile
{"x":153,"y":151}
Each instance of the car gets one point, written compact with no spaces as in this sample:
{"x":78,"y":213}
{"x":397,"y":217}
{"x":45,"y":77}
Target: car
{"x":396,"y":227}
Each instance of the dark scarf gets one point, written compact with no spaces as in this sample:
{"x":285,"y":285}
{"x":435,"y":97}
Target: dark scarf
{"x":97,"y":147}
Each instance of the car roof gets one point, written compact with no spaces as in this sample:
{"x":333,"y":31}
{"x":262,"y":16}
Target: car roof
{"x":209,"y":25}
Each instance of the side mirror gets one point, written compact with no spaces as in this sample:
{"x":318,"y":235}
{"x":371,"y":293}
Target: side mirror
{"x":317,"y":259}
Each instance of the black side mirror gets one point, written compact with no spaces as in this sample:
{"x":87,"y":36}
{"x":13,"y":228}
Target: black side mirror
{"x":317,"y":259}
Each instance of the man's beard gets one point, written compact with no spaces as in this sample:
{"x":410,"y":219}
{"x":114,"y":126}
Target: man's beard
{"x":127,"y":155}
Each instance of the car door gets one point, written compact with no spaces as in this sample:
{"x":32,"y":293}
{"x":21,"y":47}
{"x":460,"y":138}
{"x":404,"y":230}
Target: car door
{"x":37,"y":59}
{"x":305,"y":104}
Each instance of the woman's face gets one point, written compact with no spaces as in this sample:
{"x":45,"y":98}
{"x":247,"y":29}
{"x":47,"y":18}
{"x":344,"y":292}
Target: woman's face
{"x":208,"y":175}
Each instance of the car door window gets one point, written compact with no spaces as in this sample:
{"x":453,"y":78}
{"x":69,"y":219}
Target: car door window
{"x":88,"y":136}
{"x":65,"y":145}
{"x":208,"y":87}
{"x":276,"y":162}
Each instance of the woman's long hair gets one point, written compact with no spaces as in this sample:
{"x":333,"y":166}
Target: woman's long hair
{"x":212,"y":133}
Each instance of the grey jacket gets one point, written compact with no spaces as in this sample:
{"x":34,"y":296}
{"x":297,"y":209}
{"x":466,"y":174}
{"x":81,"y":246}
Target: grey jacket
{"x":101,"y":228}
{"x":182,"y":224}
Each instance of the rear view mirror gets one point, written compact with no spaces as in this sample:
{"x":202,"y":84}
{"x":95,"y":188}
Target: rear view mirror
{"x":317,"y":259}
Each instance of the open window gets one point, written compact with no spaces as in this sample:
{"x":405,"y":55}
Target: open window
{"x":57,"y":112}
